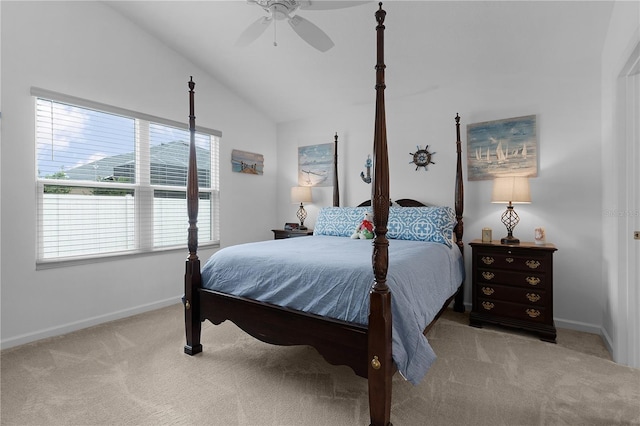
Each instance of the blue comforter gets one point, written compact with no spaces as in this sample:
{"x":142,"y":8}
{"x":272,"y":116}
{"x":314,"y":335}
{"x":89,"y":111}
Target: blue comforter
{"x":332,"y":277}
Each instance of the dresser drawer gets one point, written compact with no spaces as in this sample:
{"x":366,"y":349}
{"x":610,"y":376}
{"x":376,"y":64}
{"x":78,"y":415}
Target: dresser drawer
{"x":505,"y":260}
{"x":503,"y":276}
{"x":530,"y":313}
{"x":512,"y":294}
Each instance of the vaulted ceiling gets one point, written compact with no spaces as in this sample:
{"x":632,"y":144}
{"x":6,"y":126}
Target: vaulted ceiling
{"x":429,"y":45}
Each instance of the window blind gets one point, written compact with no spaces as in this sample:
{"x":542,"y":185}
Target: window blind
{"x":113,"y":182}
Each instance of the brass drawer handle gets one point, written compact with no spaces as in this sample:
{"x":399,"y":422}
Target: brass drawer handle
{"x":533,"y":313}
{"x":488,"y":260}
{"x":509,"y":259}
{"x":488,"y":305}
{"x":488,"y":291}
{"x":533,"y":280}
{"x":533,"y":264}
{"x":533,"y":297}
{"x":488,"y":275}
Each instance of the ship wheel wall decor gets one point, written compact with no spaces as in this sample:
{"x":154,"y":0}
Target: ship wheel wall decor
{"x":422,"y":157}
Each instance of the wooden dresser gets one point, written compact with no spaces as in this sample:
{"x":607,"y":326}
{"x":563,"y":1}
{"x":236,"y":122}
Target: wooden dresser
{"x":279,"y":234}
{"x":512,"y":285}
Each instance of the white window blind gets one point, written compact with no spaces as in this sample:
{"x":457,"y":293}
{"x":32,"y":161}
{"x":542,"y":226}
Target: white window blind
{"x":112,"y":181}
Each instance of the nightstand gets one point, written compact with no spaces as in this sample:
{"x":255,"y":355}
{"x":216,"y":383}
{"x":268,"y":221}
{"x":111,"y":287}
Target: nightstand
{"x":512,"y":285}
{"x":280,"y":234}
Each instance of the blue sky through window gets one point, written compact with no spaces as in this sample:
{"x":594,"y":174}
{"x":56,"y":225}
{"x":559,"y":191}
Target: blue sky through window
{"x":86,"y":144}
{"x":68,"y":136}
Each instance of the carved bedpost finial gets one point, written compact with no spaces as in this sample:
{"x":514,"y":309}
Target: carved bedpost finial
{"x":380,"y":14}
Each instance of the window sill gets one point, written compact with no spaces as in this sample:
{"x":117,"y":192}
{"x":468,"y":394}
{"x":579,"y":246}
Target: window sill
{"x":78,"y":261}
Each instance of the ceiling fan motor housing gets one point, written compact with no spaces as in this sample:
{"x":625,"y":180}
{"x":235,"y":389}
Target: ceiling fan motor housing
{"x":279,"y":9}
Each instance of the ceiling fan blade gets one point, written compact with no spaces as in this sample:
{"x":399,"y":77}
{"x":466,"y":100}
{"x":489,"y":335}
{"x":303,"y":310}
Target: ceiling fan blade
{"x":328,"y":4}
{"x":253,"y":31}
{"x":311,"y":33}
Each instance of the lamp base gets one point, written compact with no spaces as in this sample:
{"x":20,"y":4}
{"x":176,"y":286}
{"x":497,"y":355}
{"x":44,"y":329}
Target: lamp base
{"x":302,"y":215}
{"x":510,"y":239}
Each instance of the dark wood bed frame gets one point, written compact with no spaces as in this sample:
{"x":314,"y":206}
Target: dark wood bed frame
{"x":367,"y":350}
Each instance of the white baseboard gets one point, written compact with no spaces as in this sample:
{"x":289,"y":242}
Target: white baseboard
{"x":608,"y":342}
{"x":89,"y":322}
{"x":578,"y":326}
{"x":587,"y":328}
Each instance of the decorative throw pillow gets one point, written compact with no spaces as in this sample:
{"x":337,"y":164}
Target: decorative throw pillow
{"x":433,"y":224}
{"x":339,"y":221}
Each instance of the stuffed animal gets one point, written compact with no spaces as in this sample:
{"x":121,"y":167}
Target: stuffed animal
{"x":364,"y":231}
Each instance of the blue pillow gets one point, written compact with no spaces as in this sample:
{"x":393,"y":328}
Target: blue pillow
{"x":339,"y":221}
{"x":433,"y":224}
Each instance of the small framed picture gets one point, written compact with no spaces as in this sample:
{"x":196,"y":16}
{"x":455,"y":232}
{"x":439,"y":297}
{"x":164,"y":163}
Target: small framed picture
{"x":540,"y":236}
{"x":486,"y":235}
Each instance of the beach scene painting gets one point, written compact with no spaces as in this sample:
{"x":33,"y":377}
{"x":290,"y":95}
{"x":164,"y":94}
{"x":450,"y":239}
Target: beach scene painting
{"x":315,"y":165}
{"x":247,"y":162}
{"x":502,"y":148}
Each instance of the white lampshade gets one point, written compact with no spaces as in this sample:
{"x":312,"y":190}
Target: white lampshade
{"x":514,"y":189}
{"x":300,"y":194}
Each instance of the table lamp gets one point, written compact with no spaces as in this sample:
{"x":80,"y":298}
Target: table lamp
{"x":301,"y":194}
{"x":511,"y":190}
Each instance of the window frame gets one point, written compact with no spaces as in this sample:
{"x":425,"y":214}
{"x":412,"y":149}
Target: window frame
{"x":143,"y":188}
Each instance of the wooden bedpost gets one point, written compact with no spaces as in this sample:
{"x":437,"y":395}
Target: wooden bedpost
{"x":192,"y":273}
{"x":458,"y":305}
{"x":381,"y":367}
{"x":336,"y":189}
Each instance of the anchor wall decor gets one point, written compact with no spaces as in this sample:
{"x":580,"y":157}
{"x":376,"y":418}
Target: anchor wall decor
{"x":367,"y":164}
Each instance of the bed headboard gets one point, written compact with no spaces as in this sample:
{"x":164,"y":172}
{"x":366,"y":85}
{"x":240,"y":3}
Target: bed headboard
{"x":403,"y":202}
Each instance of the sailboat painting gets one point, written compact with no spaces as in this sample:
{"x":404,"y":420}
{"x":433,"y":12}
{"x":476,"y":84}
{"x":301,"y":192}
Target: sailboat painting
{"x":502,"y":148}
{"x":315,"y":165}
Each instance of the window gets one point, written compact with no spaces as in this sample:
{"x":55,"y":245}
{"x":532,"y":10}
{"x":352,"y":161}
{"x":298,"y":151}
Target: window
{"x":112,"y":181}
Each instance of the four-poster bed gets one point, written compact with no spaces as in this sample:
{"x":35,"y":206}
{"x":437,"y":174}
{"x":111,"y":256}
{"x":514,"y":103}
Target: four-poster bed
{"x":372,"y":346}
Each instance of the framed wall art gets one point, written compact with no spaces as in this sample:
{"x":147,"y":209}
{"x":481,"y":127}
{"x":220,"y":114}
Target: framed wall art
{"x":315,"y":165}
{"x":247,"y":162}
{"x":502,"y":148}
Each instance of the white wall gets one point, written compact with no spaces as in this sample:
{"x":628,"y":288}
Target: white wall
{"x":85,"y":49}
{"x":621,"y":312}
{"x":564,"y":95}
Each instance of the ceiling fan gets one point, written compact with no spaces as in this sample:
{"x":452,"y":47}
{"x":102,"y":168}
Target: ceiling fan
{"x":279,"y":10}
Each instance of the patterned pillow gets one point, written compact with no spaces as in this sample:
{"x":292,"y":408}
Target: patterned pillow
{"x":422,"y":224}
{"x":339,"y":221}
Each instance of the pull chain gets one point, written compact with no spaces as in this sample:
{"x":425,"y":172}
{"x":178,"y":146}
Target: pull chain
{"x":275,"y":21}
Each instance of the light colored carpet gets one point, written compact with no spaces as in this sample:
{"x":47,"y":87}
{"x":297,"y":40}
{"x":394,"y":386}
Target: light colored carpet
{"x":134,"y":372}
